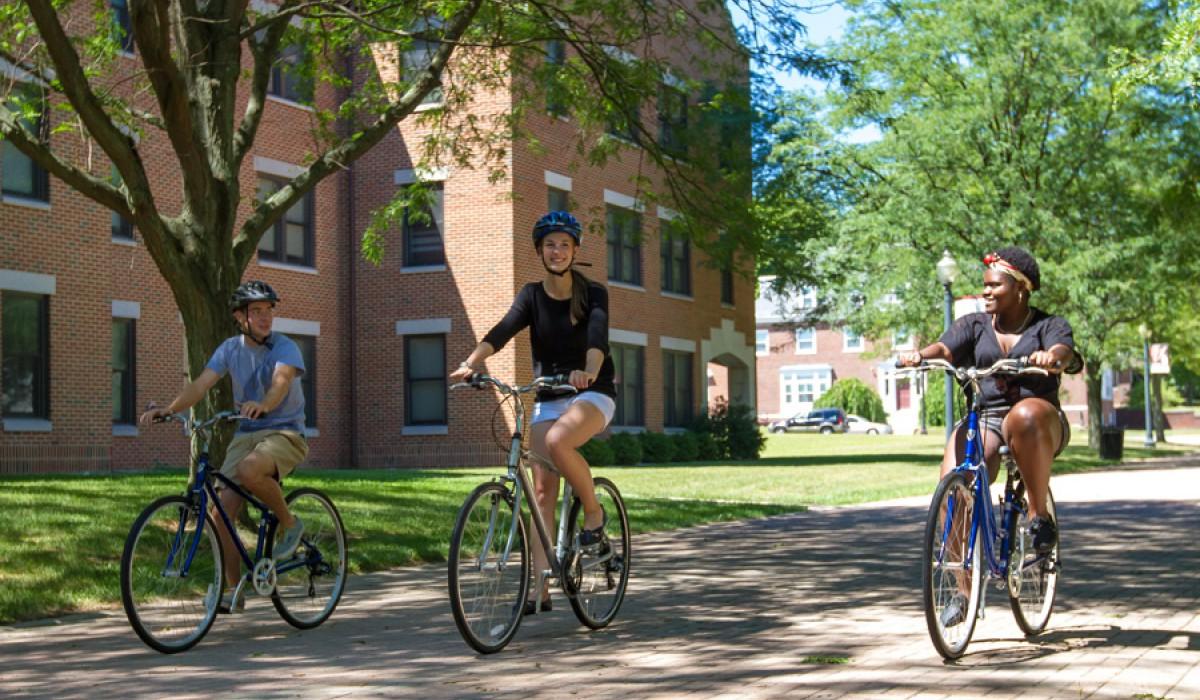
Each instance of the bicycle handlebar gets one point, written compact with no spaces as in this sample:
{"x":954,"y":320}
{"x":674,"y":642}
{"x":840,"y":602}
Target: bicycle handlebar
{"x":479,"y":380}
{"x":1002,"y":366}
{"x":191,"y":426}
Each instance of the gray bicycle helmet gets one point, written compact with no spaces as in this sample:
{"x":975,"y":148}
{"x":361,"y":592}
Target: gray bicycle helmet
{"x":252,"y":291}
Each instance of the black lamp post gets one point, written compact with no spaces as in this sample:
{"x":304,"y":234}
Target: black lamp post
{"x":1144,"y":331}
{"x":947,"y":272}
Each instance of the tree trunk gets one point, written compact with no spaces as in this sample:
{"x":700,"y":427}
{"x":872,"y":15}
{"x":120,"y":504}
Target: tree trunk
{"x":1160,"y":419}
{"x":1094,"y":381}
{"x":207,"y":322}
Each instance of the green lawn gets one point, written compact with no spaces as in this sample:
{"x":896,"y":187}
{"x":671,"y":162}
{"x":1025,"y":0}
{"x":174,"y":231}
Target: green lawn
{"x":61,"y":536}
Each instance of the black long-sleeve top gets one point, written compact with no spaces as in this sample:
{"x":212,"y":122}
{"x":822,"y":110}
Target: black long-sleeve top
{"x":559,"y":346}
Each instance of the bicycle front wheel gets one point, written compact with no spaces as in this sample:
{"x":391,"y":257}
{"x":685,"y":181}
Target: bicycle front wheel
{"x":488,"y":568}
{"x":950,"y":573}
{"x":311,"y":582}
{"x":1032,"y":578}
{"x":598,"y":581}
{"x":171,"y":575}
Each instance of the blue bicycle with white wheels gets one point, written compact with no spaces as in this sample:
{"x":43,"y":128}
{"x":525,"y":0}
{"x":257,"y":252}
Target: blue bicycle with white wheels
{"x":967,"y":537}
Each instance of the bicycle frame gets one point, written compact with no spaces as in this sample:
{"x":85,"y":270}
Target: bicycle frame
{"x":518,"y":475}
{"x":202,"y":490}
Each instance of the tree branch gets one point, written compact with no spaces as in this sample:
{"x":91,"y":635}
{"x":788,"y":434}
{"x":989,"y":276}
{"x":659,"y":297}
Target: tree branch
{"x":351,"y":148}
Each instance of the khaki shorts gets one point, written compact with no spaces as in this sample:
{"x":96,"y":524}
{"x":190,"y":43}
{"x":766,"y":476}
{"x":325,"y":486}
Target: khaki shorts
{"x":286,"y":448}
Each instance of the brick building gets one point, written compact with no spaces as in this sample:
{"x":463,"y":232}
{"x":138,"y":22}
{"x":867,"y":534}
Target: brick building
{"x":90,"y":332}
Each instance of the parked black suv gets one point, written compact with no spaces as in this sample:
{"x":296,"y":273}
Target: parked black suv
{"x":821,"y":420}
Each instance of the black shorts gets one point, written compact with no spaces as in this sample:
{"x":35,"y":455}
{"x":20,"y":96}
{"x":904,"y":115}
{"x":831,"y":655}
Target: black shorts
{"x":991,"y":419}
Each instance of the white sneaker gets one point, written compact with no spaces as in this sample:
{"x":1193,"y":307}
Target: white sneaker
{"x":290,"y":540}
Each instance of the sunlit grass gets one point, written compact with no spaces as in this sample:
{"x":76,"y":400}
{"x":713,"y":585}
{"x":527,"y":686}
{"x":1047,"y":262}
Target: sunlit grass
{"x":61,"y":536}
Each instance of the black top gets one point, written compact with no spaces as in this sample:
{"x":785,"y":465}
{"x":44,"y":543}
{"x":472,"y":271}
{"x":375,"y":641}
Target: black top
{"x":973,"y":343}
{"x":559,"y":346}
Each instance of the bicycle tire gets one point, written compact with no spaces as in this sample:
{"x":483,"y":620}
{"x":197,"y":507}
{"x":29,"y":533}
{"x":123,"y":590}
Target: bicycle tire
{"x":945,"y":556}
{"x":598,"y":587}
{"x":1032,"y":579}
{"x":306,"y":595}
{"x":487,"y":593}
{"x":169,"y":609}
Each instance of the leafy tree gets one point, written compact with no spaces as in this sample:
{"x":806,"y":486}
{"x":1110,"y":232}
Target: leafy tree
{"x":853,"y":396}
{"x":204,"y":68}
{"x":1001,"y":125}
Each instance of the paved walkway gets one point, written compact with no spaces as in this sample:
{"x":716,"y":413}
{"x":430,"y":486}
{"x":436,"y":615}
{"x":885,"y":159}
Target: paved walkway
{"x":748,"y":609}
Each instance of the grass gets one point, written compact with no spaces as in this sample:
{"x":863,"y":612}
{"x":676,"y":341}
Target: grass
{"x":61,"y":536}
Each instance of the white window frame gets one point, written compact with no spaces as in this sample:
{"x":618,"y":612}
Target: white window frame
{"x":796,"y":339}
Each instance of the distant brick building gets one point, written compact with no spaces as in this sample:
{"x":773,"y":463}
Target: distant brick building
{"x":90,"y":332}
{"x":799,"y":361}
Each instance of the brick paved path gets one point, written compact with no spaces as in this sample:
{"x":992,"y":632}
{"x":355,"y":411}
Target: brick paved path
{"x":744,"y":609}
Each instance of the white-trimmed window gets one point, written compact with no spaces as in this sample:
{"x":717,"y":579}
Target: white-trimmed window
{"x":807,"y":298}
{"x":290,"y":240}
{"x":762,"y":342}
{"x":806,"y":341}
{"x":25,"y":360}
{"x":901,"y":340}
{"x":424,"y":234}
{"x":852,"y":341}
{"x":800,"y":387}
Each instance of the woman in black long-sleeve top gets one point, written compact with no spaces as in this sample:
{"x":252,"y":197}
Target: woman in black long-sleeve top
{"x":567,"y":317}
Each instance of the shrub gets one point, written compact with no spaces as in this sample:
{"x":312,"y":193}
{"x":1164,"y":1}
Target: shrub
{"x":598,"y":453}
{"x":734,"y":429}
{"x":686,"y":446}
{"x":707,"y":449}
{"x":657,"y":448}
{"x":853,"y":396}
{"x":935,"y":400}
{"x":626,"y":447}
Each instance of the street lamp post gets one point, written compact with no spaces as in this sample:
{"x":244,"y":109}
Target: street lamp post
{"x":1144,"y":331}
{"x":947,"y":272}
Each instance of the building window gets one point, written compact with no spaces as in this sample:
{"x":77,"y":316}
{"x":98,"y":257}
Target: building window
{"x":124,"y":375}
{"x":672,"y":120}
{"x":423,"y":233}
{"x":677,"y":389}
{"x":425,"y":380}
{"x":308,"y":380}
{"x":807,"y":298}
{"x":556,"y":58}
{"x":901,"y":340}
{"x":762,"y":341}
{"x":20,"y":176}
{"x":806,"y":341}
{"x":288,"y":77}
{"x":799,"y":388}
{"x":416,"y":60}
{"x":624,"y":245}
{"x":727,"y":286}
{"x":291,"y":239}
{"x":851,"y":340}
{"x":629,"y":364}
{"x":676,"y":260}
{"x":622,"y":123}
{"x":122,"y":228}
{"x":25,"y":363}
{"x":557,"y":200}
{"x":122,"y":24}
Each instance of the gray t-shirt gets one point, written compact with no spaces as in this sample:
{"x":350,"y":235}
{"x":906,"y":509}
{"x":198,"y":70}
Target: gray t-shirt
{"x":252,"y":369}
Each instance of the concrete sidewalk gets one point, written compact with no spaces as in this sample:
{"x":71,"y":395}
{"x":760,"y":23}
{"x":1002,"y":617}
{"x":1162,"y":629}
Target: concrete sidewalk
{"x":750,"y":609}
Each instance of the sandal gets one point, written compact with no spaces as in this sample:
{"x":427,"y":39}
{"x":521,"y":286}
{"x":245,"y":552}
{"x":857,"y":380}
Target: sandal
{"x":531,"y":606}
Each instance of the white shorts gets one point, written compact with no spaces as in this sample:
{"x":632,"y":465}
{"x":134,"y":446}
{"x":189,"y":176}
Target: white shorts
{"x":553,"y":410}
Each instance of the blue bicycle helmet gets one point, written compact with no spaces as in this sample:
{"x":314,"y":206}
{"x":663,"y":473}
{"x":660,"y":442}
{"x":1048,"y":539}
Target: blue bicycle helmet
{"x":557,"y":221}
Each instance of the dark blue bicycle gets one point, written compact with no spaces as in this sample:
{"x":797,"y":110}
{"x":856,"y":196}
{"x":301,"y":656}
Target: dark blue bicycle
{"x":963,"y":535}
{"x":172,"y":570}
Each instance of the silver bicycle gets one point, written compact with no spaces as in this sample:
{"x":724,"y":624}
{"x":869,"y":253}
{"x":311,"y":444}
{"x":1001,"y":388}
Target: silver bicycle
{"x":489,"y":567}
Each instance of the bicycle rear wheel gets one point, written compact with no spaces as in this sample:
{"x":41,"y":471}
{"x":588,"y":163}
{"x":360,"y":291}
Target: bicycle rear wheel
{"x":488,"y":568}
{"x":598,"y":582}
{"x":171,"y":575}
{"x":311,"y":582}
{"x":1032,"y":578}
{"x":950,"y":572}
